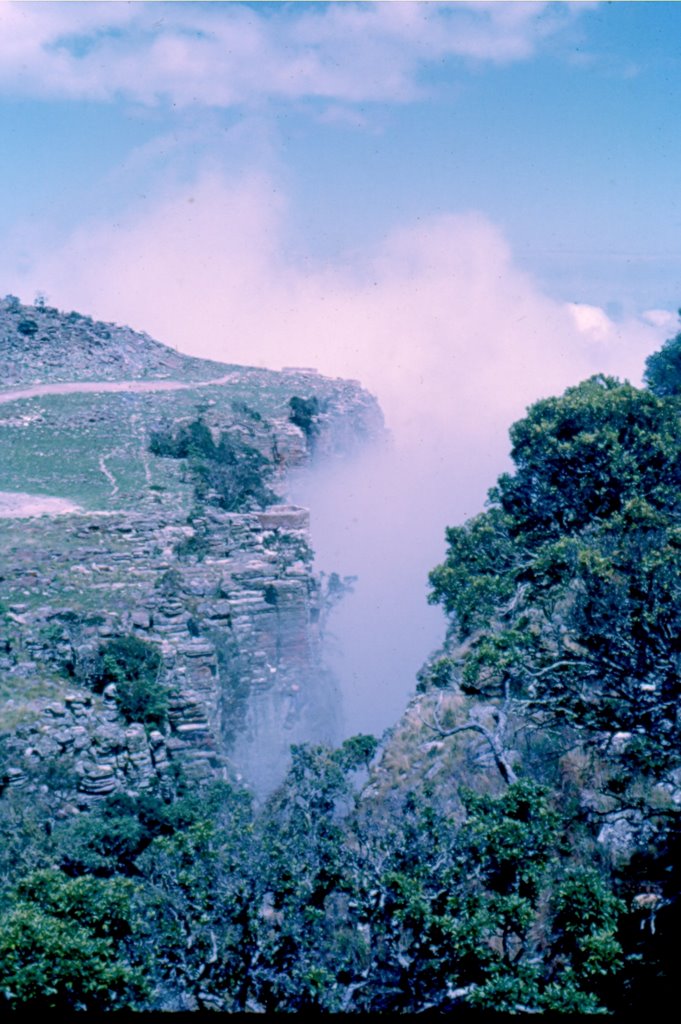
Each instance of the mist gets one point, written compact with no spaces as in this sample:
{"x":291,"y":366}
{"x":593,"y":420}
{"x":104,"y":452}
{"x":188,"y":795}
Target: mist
{"x":379,"y":516}
{"x":436,"y":319}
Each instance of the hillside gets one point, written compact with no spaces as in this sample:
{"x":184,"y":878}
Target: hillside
{"x":93,"y":520}
{"x":40,"y":344}
{"x":79,"y":400}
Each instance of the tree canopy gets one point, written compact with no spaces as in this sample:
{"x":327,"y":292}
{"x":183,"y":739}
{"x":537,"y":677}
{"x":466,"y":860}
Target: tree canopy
{"x":570,"y":584}
{"x":663,"y":369}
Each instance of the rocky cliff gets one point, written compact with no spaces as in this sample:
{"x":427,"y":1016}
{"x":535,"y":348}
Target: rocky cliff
{"x":102,"y":540}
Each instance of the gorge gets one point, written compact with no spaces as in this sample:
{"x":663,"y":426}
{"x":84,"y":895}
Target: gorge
{"x":191,"y":819}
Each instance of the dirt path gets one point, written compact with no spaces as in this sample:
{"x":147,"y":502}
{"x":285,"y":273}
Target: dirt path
{"x":93,"y":387}
{"x":16,"y":505}
{"x":108,"y":474}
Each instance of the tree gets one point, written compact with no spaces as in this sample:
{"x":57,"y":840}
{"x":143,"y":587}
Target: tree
{"x":568,"y":590}
{"x":585,"y":456}
{"x":308,"y":947}
{"x":62,"y":945}
{"x":135,"y":667}
{"x":460,"y":912}
{"x":565,"y":599}
{"x":663,"y":369}
{"x":200,"y":902}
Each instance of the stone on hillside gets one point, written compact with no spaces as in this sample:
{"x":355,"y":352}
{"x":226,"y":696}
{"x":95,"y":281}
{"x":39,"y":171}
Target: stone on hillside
{"x":96,"y":779}
{"x":15,"y":778}
{"x":284,"y":517}
{"x":54,"y":711}
{"x":141,"y":619}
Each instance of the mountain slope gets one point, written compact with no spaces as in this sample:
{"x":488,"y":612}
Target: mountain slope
{"x":39,"y":344}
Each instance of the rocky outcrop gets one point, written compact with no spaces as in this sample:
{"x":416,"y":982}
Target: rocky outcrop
{"x":238,"y":629}
{"x":39,"y":343}
{"x":86,"y":736}
{"x":450,"y":737}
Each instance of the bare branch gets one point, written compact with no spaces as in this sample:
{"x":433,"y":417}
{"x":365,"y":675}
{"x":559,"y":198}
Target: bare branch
{"x":500,"y":758}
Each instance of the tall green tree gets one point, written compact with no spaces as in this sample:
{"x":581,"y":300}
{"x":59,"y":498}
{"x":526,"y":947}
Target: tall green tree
{"x":569,"y":587}
{"x":663,"y":369}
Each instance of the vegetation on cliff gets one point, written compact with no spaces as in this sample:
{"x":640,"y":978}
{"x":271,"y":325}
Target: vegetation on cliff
{"x":568,"y":589}
{"x":229,"y":473}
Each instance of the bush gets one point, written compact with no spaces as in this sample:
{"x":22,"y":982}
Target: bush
{"x":230,"y":474}
{"x":27,"y":327}
{"x":304,"y":413}
{"x":50,"y":963}
{"x":134,"y":666}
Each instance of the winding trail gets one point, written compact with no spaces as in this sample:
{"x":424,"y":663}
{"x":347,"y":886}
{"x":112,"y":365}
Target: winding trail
{"x":86,"y":386}
{"x":108,"y":474}
{"x":15,"y":505}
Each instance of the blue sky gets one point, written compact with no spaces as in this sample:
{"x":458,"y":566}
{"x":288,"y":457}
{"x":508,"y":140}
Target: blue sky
{"x":569,"y":144}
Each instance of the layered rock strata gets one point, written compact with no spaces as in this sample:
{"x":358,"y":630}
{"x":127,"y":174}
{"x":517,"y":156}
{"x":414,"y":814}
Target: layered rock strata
{"x":238,"y":630}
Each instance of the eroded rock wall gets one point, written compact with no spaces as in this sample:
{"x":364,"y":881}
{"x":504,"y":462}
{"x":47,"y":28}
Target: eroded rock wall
{"x":238,"y":626}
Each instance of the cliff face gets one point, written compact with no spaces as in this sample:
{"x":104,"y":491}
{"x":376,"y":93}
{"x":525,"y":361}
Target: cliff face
{"x":228,"y":599}
{"x":238,"y":631}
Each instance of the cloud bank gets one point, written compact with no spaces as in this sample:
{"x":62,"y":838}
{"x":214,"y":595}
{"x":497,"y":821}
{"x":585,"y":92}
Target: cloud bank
{"x":438,"y":320}
{"x":222,"y":55}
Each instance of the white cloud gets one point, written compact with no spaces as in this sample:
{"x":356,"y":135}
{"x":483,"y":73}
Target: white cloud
{"x":438,"y":320}
{"x":592,"y":320}
{"x":227,"y":54}
{"x":661,"y":318}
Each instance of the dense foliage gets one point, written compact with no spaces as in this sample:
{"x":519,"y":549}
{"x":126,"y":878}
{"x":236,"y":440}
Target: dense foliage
{"x":189,"y":901}
{"x":569,"y":587}
{"x":663,"y":369}
{"x":231,"y":473}
{"x":134,"y":667}
{"x":565,"y":608}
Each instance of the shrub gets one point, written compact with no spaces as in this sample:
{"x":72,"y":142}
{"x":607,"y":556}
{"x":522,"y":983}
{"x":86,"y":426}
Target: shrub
{"x":304,"y":413}
{"x":230,"y":474}
{"x":134,"y":666}
{"x":27,"y":327}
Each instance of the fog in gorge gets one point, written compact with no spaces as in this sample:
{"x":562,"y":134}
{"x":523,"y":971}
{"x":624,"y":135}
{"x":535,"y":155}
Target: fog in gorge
{"x":380,"y":516}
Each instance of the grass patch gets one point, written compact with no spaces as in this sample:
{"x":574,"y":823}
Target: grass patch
{"x":54,"y":444}
{"x":19,"y":697}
